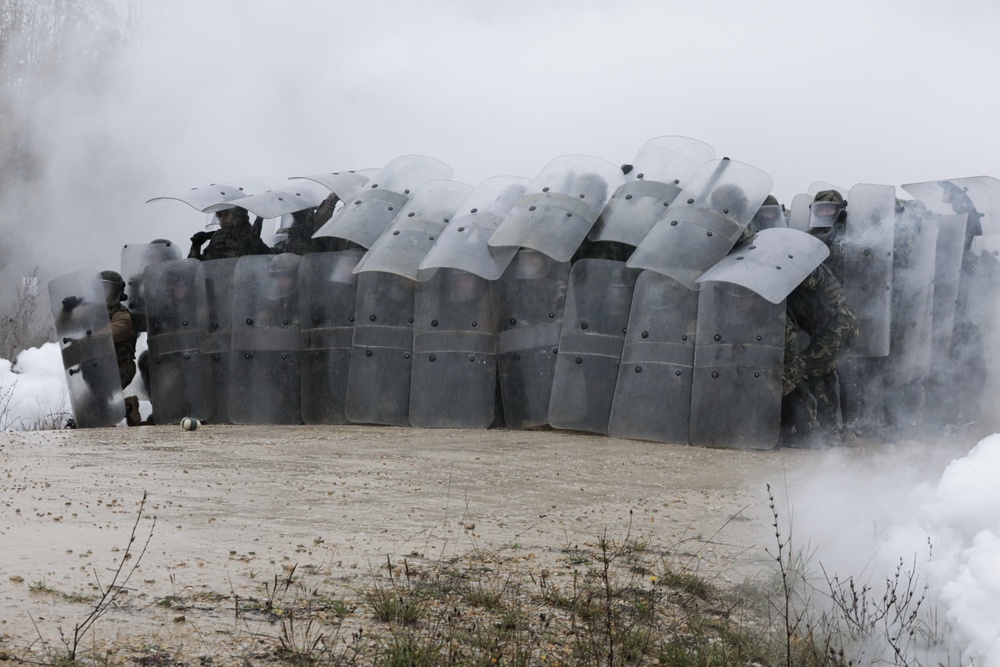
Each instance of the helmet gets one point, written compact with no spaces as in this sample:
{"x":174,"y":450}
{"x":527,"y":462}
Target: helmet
{"x":828,"y":207}
{"x":114,"y":287}
{"x":768,"y":216}
{"x":729,"y":199}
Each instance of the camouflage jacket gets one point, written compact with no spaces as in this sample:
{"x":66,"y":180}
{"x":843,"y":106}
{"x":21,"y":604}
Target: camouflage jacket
{"x":124,"y":335}
{"x":818,"y":306}
{"x":236,"y":241}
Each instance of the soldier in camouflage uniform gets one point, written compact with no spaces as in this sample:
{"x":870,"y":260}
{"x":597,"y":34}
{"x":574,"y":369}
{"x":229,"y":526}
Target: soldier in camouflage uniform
{"x":818,"y":307}
{"x":124,"y":335}
{"x":236,"y":238}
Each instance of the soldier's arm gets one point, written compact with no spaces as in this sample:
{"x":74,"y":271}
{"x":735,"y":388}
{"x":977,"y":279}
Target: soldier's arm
{"x":121,"y":326}
{"x":836,"y":336}
{"x":325,"y":210}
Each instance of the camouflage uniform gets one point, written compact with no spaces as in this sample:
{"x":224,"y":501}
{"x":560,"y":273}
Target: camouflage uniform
{"x":819,"y":308}
{"x":237,"y":240}
{"x":124,"y":334}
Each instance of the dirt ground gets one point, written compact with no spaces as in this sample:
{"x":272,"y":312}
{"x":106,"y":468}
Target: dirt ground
{"x":236,"y":506}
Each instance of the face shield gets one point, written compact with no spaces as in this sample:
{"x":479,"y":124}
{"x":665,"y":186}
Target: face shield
{"x":112,"y":291}
{"x":823,"y":214}
{"x":768,"y":217}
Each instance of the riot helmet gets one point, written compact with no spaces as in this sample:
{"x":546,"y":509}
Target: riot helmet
{"x":827,"y":208}
{"x":283,"y":276}
{"x":114,"y":287}
{"x":770,"y":215}
{"x":730,"y":200}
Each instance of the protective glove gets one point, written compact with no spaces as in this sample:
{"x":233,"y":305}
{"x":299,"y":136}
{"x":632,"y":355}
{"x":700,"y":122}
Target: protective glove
{"x":258,"y":226}
{"x":71,"y":302}
{"x":201,"y":237}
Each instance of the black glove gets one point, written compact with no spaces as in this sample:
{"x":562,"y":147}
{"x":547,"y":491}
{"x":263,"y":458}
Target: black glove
{"x":201,"y":237}
{"x":258,"y":226}
{"x":71,"y":302}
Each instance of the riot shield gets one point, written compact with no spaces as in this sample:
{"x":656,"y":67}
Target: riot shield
{"x":947,"y":270}
{"x":978,"y":196}
{"x":276,"y":202}
{"x":410,"y":237}
{"x":590,"y":344}
{"x":135,"y":258}
{"x":177,"y":311}
{"x":705,"y":221}
{"x":378,"y":382}
{"x":344,"y":184}
{"x":772,"y":263}
{"x":363,"y":219}
{"x":463,"y":243}
{"x":454,"y":379}
{"x":328,"y":289}
{"x":216,"y":195}
{"x":83,"y":328}
{"x":912,"y":284}
{"x":528,"y":301}
{"x":867,"y":277}
{"x":216,"y":343}
{"x":559,"y":207}
{"x":984,"y":286}
{"x":659,"y":171}
{"x":265,"y":381}
{"x":798,"y":215}
{"x":738,"y":359}
{"x":653,"y":392}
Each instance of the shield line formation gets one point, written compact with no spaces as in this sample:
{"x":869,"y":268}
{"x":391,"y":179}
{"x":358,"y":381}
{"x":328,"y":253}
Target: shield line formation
{"x":672,"y":299}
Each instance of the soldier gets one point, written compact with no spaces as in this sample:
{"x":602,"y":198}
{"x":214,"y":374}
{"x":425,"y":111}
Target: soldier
{"x":235,"y":239}
{"x":819,"y":308}
{"x":827,"y":215}
{"x":123,"y":334}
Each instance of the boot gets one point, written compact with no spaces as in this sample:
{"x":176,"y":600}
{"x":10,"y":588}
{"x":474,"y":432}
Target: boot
{"x":132,"y":417}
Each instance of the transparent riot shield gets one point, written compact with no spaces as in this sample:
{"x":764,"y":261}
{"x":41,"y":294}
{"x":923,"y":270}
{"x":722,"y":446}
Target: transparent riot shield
{"x":135,"y":258}
{"x":772,"y":263}
{"x":590,"y":344}
{"x":738,"y":359}
{"x":344,"y":184}
{"x":265,"y":383}
{"x":454,"y":379}
{"x":559,"y":207}
{"x":83,"y":328}
{"x":328,"y":289}
{"x":463,"y":243}
{"x":984,"y":286}
{"x":217,"y":341}
{"x":378,"y":382}
{"x":177,"y":311}
{"x":290,"y":197}
{"x":867,"y":275}
{"x":947,"y":271}
{"x":977,"y":196}
{"x":705,"y":221}
{"x":410,"y":237}
{"x":215,"y":195}
{"x":365,"y":217}
{"x":659,"y":171}
{"x":653,"y":392}
{"x":798,"y":214}
{"x":528,"y":302}
{"x":912,"y":288}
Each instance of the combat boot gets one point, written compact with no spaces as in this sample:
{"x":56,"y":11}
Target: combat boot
{"x":132,"y":417}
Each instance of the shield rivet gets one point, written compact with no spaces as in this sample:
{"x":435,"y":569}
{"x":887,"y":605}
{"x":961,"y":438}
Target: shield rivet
{"x":187,"y":356}
{"x":249,"y":321}
{"x":709,"y":233}
{"x":545,"y":189}
{"x":373,"y":317}
{"x":684,"y":337}
{"x":396,"y":233}
{"x":628,"y":196}
{"x":216,"y":357}
{"x":513,"y":321}
{"x":475,"y":324}
{"x":517,"y":357}
{"x":753,"y":247}
{"x":791,"y":257}
{"x":740,"y":257}
{"x":410,"y":214}
{"x":410,"y":320}
{"x":432,"y":358}
{"x":666,"y":203}
{"x":374,"y":186}
{"x":756,"y":375}
{"x":350,"y":319}
{"x":315,"y":319}
{"x":432,"y":238}
{"x":248,"y":356}
{"x":406,"y":192}
{"x":638,"y":369}
{"x":758,"y":337}
{"x":184,"y":323}
{"x":555,"y":350}
{"x":531,"y":208}
{"x":778,"y":267}
{"x":579,"y":360}
{"x":867,"y":252}
{"x":316,"y":356}
{"x":639,"y":175}
{"x":551,"y":315}
{"x":475,"y":210}
{"x":584,"y":325}
{"x":715,"y":375}
{"x":726,"y":211}
{"x":434,"y":323}
{"x":673,"y":223}
{"x":368,"y":353}
{"x":472,"y":358}
{"x":357,"y":202}
{"x":718,"y":337}
{"x":569,"y":215}
{"x":390,"y":208}
{"x":582,"y":196}
{"x":284,"y":356}
{"x":461,"y":229}
{"x":677,"y":373}
{"x":284,"y":322}
{"x":406,"y":356}
{"x":691,"y":201}
{"x":645,"y":334}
